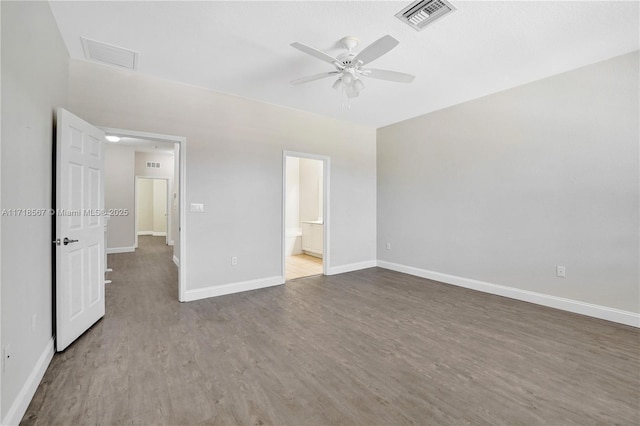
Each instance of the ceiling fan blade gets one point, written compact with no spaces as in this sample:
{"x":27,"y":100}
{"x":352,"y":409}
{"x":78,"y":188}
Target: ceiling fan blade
{"x":396,"y":76}
{"x":314,"y":52}
{"x":314,"y":77}
{"x":376,"y":49}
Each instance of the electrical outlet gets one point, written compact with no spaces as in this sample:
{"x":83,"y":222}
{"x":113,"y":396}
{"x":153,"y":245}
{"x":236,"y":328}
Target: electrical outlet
{"x":6,"y":357}
{"x":388,"y":246}
{"x":234,"y":260}
{"x":561,"y":271}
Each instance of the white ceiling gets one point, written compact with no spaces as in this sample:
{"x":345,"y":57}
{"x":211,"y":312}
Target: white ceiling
{"x":243,"y":48}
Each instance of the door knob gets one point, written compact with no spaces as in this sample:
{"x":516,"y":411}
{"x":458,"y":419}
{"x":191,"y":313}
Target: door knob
{"x":65,"y":241}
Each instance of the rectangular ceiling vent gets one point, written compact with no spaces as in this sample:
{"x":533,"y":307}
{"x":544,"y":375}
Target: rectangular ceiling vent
{"x":420,"y":14}
{"x":109,"y":54}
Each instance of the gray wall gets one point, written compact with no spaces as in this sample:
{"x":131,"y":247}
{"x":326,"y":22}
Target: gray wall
{"x":504,"y":188}
{"x":119,"y":194}
{"x":34,"y":83}
{"x":234,"y":166}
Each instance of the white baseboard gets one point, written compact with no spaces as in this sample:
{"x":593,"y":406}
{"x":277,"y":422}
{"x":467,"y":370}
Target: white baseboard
{"x":313,"y":253}
{"x":115,"y":250}
{"x":351,"y":267}
{"x":152,"y":233}
{"x":221,"y":290}
{"x":575,"y":306}
{"x":21,"y":403}
{"x":176,"y":260}
{"x":171,"y":243}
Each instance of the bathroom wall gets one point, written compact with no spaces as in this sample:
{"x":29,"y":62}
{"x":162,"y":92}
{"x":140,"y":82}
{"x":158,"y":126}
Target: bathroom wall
{"x":310,"y":189}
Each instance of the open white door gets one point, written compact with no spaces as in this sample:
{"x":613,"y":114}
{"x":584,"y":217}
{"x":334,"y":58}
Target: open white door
{"x":79,"y":229}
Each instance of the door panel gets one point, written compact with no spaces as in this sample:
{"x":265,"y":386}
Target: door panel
{"x":79,"y":205}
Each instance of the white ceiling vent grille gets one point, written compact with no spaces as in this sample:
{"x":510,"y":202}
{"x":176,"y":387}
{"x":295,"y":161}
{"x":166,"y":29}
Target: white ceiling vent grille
{"x":420,"y":14}
{"x":153,"y":165}
{"x":109,"y":54}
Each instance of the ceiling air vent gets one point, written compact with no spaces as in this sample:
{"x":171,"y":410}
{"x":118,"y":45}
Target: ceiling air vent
{"x":420,"y":14}
{"x":109,"y":54}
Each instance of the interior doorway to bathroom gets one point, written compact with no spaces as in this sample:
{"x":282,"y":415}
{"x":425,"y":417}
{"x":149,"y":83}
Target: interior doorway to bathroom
{"x":304,"y":215}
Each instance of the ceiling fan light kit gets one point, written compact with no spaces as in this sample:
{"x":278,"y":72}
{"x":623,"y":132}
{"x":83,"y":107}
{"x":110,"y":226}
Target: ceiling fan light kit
{"x":349,"y":65}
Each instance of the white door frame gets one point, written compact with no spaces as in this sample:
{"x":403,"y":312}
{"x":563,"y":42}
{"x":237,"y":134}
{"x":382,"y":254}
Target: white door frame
{"x":169,"y":216}
{"x":182,"y":175}
{"x":326,"y":229}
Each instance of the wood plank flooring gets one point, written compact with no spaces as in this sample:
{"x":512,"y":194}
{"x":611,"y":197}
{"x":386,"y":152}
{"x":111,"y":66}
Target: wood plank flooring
{"x":302,"y":265}
{"x":372,"y":347}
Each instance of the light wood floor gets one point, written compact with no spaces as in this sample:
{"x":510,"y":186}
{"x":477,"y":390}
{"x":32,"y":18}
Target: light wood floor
{"x":302,"y":265}
{"x":371,"y":347}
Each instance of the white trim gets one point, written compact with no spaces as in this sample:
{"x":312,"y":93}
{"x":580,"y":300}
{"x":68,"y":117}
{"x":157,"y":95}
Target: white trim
{"x":116,"y":250}
{"x":182,"y":171}
{"x":152,"y":233}
{"x":176,"y":260}
{"x":326,"y":214}
{"x":221,"y":290}
{"x":352,"y":267}
{"x":575,"y":306}
{"x":22,"y":401}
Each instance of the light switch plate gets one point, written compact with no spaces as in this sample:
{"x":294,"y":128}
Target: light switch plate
{"x":196,"y":208}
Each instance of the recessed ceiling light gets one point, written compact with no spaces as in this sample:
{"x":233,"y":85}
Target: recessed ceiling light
{"x":113,"y":138}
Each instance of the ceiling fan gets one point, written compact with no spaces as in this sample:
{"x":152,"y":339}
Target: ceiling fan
{"x":349,"y":64}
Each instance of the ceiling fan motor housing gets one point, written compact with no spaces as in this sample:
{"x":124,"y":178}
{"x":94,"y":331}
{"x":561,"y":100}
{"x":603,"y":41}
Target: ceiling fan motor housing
{"x":350,"y":42}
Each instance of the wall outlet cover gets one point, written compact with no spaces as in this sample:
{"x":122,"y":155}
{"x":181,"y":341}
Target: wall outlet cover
{"x":561,"y":271}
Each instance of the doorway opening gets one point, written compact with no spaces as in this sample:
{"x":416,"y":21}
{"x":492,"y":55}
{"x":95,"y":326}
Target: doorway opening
{"x":153,"y":209}
{"x":145,"y":178}
{"x":305,"y":215}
